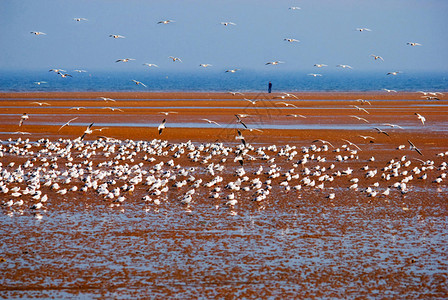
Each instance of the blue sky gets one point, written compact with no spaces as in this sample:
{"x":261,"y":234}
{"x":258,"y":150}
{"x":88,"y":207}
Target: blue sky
{"x":325,"y":28}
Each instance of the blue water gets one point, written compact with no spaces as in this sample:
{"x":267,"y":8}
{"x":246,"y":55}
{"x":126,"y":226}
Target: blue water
{"x":220,"y":81}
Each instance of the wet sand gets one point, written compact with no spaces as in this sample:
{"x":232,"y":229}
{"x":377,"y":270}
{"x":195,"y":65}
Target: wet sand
{"x":293,"y":244}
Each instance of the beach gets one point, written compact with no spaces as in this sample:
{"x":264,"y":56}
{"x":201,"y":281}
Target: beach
{"x":325,"y":239}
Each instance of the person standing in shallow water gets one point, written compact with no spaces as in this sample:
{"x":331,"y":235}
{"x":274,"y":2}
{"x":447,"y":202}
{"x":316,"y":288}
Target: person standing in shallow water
{"x":269,"y":87}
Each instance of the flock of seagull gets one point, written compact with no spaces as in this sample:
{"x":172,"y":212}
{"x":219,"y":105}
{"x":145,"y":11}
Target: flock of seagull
{"x":159,"y":172}
{"x":63,"y":73}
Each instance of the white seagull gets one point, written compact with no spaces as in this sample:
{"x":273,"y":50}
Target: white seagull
{"x":38,"y":33}
{"x":274,"y":62}
{"x":87,"y":131}
{"x":175,"y":58}
{"x":344,"y":66}
{"x":393,"y":73}
{"x":124,"y":60}
{"x":363,"y":29}
{"x":376,"y":57}
{"x":150,"y":65}
{"x":67,"y":123}
{"x":228,"y":23}
{"x":210,"y":122}
{"x":161,"y":126}
{"x":320,"y":65}
{"x":116,"y":36}
{"x":165,"y":22}
{"x":79,"y":19}
{"x":205,"y":65}
{"x":23,"y":118}
{"x":232,"y":70}
{"x":291,"y":40}
{"x":139,"y":83}
{"x":315,"y":74}
{"x":421,"y":118}
{"x":413,"y":44}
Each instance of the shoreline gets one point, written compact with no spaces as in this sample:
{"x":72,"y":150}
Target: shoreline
{"x":312,"y":95}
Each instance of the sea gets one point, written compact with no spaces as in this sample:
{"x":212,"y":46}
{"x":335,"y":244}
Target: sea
{"x":244,"y":81}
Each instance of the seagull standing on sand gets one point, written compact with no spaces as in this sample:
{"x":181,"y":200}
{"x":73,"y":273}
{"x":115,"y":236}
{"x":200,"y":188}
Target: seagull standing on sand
{"x":68,"y":123}
{"x":161,"y":126}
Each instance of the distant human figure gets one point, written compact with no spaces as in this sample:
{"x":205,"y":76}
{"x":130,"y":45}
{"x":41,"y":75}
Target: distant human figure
{"x":269,"y":87}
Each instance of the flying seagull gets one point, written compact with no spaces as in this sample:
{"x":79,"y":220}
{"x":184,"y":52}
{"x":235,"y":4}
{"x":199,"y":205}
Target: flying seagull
{"x":175,"y":58}
{"x":38,"y":33}
{"x":87,"y":131}
{"x":161,"y":126}
{"x":228,"y":23}
{"x":139,"y":83}
{"x":238,"y":120}
{"x":23,"y":118}
{"x":116,"y":36}
{"x":240,"y":137}
{"x":414,"y":148}
{"x":421,"y":118}
{"x":274,"y":62}
{"x":210,"y":122}
{"x":165,"y":22}
{"x":124,"y":60}
{"x":150,"y":65}
{"x":291,"y":40}
{"x":376,"y":57}
{"x":67,"y":123}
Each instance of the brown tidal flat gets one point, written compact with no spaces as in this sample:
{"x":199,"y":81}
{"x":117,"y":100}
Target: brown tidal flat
{"x":294,"y":243}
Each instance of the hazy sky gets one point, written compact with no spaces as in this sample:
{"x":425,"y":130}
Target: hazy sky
{"x":326,"y":30}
